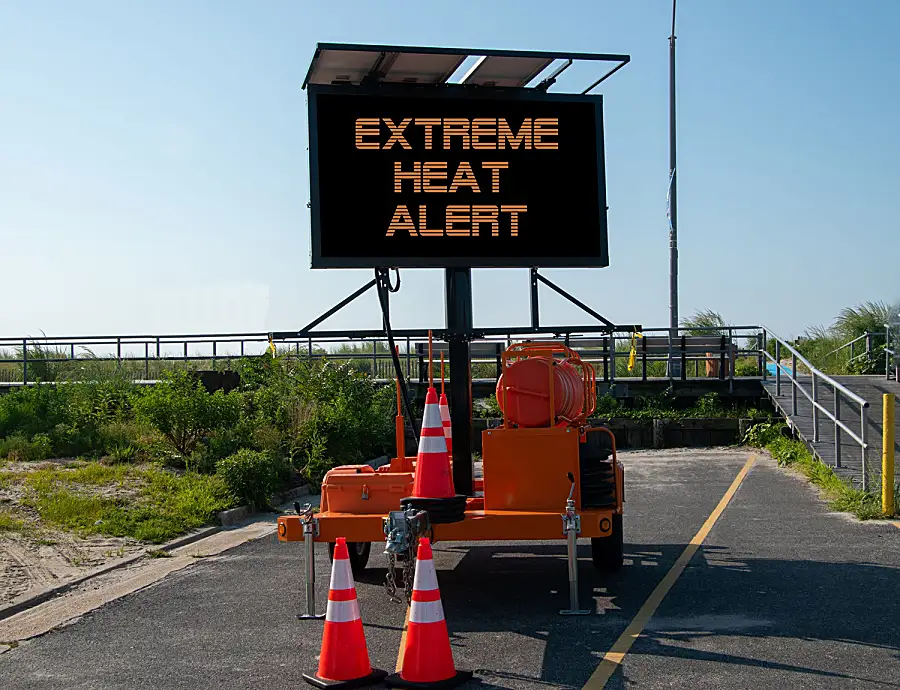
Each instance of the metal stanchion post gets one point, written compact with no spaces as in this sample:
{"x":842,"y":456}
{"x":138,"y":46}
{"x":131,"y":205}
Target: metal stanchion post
{"x":571,"y":528}
{"x":887,"y":456}
{"x":310,"y":532}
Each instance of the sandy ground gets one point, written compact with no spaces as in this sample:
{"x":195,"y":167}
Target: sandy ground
{"x":35,"y":561}
{"x":39,"y":556}
{"x":95,"y":592}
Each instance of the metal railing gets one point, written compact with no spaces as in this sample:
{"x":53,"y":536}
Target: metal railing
{"x":28,"y":359}
{"x":890,"y":352}
{"x":868,"y":337}
{"x":816,"y":379}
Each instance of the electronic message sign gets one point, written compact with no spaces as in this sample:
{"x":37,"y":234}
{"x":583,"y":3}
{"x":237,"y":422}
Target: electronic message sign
{"x":415,"y":177}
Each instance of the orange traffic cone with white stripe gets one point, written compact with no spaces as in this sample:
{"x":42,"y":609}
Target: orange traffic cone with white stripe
{"x":427,"y":660}
{"x":432,"y":464}
{"x":445,"y":421}
{"x":344,"y":659}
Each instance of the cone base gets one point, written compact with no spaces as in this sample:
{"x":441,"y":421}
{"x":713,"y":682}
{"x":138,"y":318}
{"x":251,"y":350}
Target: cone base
{"x":376,"y":676}
{"x":440,"y":511}
{"x":395,"y":681}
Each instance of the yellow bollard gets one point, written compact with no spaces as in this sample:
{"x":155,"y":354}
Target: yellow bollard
{"x":887,"y":456}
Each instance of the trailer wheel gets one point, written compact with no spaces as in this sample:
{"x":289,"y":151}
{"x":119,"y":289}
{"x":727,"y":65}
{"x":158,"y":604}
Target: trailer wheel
{"x":359,"y":554}
{"x":609,"y":552}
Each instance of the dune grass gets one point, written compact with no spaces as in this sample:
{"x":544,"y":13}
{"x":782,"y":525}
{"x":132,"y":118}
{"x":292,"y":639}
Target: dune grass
{"x":146,"y":503}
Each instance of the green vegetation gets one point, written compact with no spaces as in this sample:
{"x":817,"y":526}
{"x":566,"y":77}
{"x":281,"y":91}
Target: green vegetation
{"x":156,"y":504}
{"x":661,"y":407}
{"x":156,"y":461}
{"x":823,"y":346}
{"x":9,"y":522}
{"x":708,"y":406}
{"x":842,"y":496}
{"x":183,"y":412}
{"x":252,"y":476}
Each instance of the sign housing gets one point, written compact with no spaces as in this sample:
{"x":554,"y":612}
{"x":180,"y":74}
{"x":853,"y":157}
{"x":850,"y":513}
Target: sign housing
{"x":456,"y":176}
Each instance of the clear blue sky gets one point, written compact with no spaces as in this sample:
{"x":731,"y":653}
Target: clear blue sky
{"x":153,"y":160}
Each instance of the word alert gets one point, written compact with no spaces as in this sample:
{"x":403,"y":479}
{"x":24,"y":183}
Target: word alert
{"x":460,"y":220}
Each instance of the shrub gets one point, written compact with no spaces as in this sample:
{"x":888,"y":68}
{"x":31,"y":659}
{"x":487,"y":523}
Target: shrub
{"x":19,"y":447}
{"x":183,"y":412}
{"x":32,"y":410}
{"x":488,"y":408}
{"x":124,"y":452}
{"x":327,"y":415}
{"x":250,"y":475}
{"x":117,"y":434}
{"x":746,"y":366}
{"x":763,"y":434}
{"x":707,"y":406}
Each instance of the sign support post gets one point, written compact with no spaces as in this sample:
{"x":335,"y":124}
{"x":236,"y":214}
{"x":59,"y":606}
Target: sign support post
{"x":459,"y":327}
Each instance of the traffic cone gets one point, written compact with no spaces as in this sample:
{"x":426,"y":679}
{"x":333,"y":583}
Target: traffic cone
{"x":432,"y":464}
{"x":445,"y":420}
{"x":427,"y":660}
{"x":344,"y":659}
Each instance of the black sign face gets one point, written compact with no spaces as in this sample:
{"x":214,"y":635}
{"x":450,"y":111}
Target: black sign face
{"x":435,"y":178}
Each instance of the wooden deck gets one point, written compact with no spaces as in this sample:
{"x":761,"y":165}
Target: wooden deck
{"x":871,"y":389}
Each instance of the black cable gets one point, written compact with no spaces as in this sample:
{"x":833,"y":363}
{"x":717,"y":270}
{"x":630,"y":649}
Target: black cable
{"x":390,"y":287}
{"x":382,"y":287}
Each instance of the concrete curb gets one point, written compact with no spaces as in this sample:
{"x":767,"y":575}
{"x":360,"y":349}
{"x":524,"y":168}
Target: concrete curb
{"x":227,"y":518}
{"x":232,"y":516}
{"x":31,"y":599}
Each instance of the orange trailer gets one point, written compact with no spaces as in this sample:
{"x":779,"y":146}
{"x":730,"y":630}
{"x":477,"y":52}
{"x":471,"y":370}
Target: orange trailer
{"x":547,"y":474}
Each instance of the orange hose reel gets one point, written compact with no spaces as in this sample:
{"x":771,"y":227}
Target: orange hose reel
{"x":545,"y":384}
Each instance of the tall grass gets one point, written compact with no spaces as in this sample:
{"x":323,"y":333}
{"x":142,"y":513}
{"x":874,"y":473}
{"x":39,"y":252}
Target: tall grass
{"x":840,"y":493}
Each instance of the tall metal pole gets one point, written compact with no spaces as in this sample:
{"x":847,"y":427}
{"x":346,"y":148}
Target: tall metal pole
{"x":459,"y":324}
{"x":673,"y":196}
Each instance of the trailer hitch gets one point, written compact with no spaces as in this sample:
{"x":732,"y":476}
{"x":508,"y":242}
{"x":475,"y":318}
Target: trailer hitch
{"x":402,"y":529}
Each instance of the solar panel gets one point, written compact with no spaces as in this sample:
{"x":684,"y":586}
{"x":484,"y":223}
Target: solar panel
{"x":498,"y":70}
{"x":338,"y":63}
{"x":422,"y":68}
{"x":342,"y":66}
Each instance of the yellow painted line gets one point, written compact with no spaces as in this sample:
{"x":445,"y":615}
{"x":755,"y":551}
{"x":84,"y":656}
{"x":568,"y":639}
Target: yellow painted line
{"x":897,"y":525}
{"x":402,"y":643}
{"x":613,"y":658}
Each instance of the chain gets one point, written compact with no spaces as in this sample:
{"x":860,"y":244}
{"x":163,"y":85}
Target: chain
{"x":413,"y":529}
{"x":409,"y":570}
{"x":390,"y":580}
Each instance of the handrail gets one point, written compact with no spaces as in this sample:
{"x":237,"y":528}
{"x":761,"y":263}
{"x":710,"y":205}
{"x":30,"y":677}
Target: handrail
{"x":850,"y":394}
{"x":890,"y":352}
{"x":839,"y":390}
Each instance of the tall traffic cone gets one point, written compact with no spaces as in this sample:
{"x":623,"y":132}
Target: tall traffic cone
{"x":432,"y":464}
{"x":445,"y":420}
{"x":344,"y":660}
{"x":427,"y":660}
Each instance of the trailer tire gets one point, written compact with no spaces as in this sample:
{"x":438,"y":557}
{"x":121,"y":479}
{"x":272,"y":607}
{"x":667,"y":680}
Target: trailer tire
{"x":608,"y":553}
{"x":359,"y":555}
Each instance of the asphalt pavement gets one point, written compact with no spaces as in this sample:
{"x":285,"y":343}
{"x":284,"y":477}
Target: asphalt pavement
{"x":782,"y":593}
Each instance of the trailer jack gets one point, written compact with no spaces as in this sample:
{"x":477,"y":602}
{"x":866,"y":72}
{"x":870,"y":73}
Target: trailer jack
{"x":572,"y":528}
{"x":310,"y":532}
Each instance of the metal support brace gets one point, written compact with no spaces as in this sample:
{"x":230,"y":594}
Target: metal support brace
{"x":572,"y":528}
{"x":310,"y":532}
{"x":815,"y":408}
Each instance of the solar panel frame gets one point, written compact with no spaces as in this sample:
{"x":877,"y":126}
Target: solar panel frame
{"x":362,"y":63}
